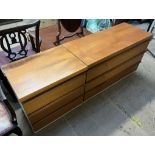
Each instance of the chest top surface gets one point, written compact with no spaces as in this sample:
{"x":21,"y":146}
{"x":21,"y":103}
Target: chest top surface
{"x":42,"y":71}
{"x":94,"y":48}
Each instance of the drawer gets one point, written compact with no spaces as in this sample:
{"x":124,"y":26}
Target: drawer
{"x":110,"y":81}
{"x":49,"y":96}
{"x":55,"y":105}
{"x":52,"y":117}
{"x":115,"y":61}
{"x":104,"y":77}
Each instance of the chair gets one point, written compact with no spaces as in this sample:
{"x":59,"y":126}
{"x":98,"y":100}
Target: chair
{"x":8,"y":120}
{"x":150,"y":29}
{"x":71,"y":25}
{"x":12,"y":35}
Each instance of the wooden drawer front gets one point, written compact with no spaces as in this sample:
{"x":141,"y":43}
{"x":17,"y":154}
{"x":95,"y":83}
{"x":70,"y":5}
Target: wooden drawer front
{"x":55,"y":105}
{"x":93,"y":83}
{"x":110,"y":81}
{"x":115,"y":61}
{"x":53,"y":94}
{"x":52,"y":117}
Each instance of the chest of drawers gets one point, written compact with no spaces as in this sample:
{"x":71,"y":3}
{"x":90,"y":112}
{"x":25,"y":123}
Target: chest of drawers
{"x":109,"y":55}
{"x":51,"y":83}
{"x":47,"y":85}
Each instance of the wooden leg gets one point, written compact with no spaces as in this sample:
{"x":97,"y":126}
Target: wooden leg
{"x":17,"y":131}
{"x":57,"y":41}
{"x":32,"y":43}
{"x":37,"y":38}
{"x":81,"y":33}
{"x":151,"y":25}
{"x":151,"y":53}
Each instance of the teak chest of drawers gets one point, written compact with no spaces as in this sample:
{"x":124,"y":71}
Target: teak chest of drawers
{"x":53,"y":82}
{"x":109,"y":55}
{"x":47,"y":84}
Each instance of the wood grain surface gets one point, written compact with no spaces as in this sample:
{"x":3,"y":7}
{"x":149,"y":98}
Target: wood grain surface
{"x":55,"y":105}
{"x":100,"y":46}
{"x":40,"y":72}
{"x":115,"y":61}
{"x":110,"y":81}
{"x":109,"y":74}
{"x":45,"y":98}
{"x":52,"y":117}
